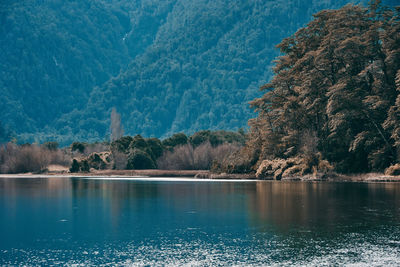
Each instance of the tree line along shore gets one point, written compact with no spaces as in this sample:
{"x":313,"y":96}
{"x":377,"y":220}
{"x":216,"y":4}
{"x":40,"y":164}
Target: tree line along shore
{"x":204,"y":155}
{"x":331,"y":110}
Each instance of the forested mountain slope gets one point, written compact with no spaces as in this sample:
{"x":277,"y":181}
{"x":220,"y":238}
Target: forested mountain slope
{"x":167,"y":66}
{"x":52,"y":55}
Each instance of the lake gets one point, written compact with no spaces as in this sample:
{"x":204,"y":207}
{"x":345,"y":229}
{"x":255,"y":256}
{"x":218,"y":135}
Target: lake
{"x":69,"y":221}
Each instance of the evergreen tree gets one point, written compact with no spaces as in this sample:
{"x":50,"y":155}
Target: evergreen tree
{"x":336,"y":82}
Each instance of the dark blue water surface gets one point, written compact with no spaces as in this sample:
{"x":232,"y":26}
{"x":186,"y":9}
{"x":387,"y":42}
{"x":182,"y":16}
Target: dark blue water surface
{"x":69,"y":221}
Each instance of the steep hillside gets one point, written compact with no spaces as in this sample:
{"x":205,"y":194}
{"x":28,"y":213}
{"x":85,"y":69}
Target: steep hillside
{"x":52,"y":55}
{"x":177,"y":65}
{"x":206,"y":63}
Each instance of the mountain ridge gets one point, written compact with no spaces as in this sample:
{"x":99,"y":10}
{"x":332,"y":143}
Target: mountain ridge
{"x":167,"y":66}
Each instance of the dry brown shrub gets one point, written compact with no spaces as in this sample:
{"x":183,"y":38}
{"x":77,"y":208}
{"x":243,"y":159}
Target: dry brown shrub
{"x":200,"y":158}
{"x":21,"y":159}
{"x":223,"y":151}
{"x":393,"y":170}
{"x":181,"y":158}
{"x":58,"y":157}
{"x":273,"y":168}
{"x":29,"y":158}
{"x":292,"y":167}
{"x":270,"y":168}
{"x":203,"y":156}
{"x":294,"y":171}
{"x":325,"y":167}
{"x":120,"y":160}
{"x":239,"y":160}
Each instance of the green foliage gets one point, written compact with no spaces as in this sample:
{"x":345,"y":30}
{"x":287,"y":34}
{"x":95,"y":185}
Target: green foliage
{"x":74,"y":166}
{"x":50,"y":145}
{"x":53,"y":54}
{"x":84,"y":165}
{"x":79,"y":166}
{"x":138,"y":142}
{"x":139,"y":159}
{"x":5,"y":134}
{"x":122,"y":144}
{"x":334,"y":92}
{"x":177,"y":139}
{"x":128,"y":151}
{"x":217,"y":137}
{"x":95,"y":161}
{"x":78,"y":146}
{"x":155,"y":147}
{"x":167,"y":65}
{"x":202,"y":137}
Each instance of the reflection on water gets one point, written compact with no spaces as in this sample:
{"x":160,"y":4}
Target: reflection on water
{"x":324,"y":205}
{"x":82,"y":221}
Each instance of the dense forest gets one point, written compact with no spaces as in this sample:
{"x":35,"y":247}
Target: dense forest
{"x":167,"y":66}
{"x":334,"y":101}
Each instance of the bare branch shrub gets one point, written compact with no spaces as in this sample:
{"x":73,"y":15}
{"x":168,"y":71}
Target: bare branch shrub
{"x":96,"y":148}
{"x":59,"y":157}
{"x":29,"y":158}
{"x":393,"y":170}
{"x":225,"y":150}
{"x":120,"y":160}
{"x":201,"y":158}
{"x":181,"y":158}
{"x":116,"y":127}
{"x":20,"y":159}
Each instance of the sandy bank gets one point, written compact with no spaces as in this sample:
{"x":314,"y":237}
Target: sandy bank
{"x":201,"y":174}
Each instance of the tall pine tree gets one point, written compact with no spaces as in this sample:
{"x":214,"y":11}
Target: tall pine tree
{"x":335,"y":91}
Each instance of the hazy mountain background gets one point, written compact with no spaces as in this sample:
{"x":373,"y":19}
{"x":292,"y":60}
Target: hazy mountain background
{"x":166,"y":65}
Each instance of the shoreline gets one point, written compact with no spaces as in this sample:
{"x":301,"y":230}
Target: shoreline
{"x":203,"y":175}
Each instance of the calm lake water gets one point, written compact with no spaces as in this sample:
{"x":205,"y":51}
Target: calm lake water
{"x":72,"y":221}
